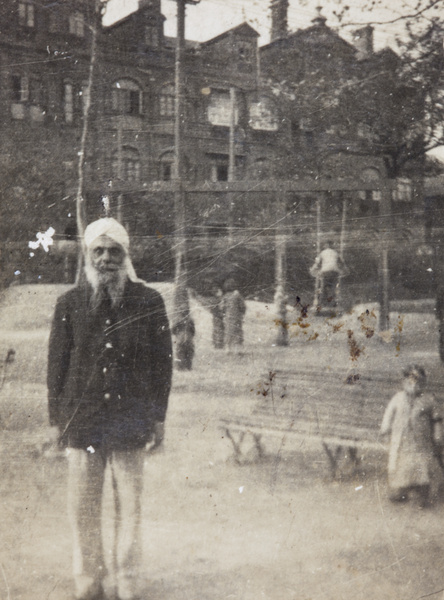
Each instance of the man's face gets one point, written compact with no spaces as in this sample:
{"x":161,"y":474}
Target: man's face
{"x":106,"y":256}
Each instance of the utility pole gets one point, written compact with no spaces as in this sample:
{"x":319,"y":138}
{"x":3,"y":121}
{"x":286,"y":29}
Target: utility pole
{"x":182,"y":328}
{"x":280,"y":296}
{"x":99,"y":9}
{"x":231,"y":161}
{"x":119,"y":170}
{"x":385,"y":227}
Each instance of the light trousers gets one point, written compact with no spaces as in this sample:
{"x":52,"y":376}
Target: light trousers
{"x":85,"y":492}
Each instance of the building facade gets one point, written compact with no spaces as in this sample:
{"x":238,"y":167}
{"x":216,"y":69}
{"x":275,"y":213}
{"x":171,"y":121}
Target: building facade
{"x":243,"y":119}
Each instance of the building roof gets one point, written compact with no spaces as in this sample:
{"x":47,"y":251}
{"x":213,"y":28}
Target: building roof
{"x":127,"y":18}
{"x":244,"y":30}
{"x":310,"y":33}
{"x":189,"y":44}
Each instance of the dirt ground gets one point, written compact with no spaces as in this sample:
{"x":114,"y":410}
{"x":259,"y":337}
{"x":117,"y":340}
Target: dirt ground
{"x":278,"y":528}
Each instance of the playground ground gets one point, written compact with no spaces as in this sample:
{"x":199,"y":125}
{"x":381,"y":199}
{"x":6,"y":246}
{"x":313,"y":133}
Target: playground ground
{"x":278,"y":528}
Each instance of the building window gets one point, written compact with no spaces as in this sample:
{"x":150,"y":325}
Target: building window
{"x":74,"y":100}
{"x":126,"y":98}
{"x":84,"y":96}
{"x":76,"y":24}
{"x":371,"y":174}
{"x":306,"y":124}
{"x":152,"y":35}
{"x":219,"y":164}
{"x":219,"y":167}
{"x":368,"y":204}
{"x":244,"y":51}
{"x":220,"y":173}
{"x":166,"y":171}
{"x":68,"y":102}
{"x":403,"y":191}
{"x":167,"y":101}
{"x":166,"y":166}
{"x":264,"y":115}
{"x":36,"y":92}
{"x":20,"y":88}
{"x":220,"y":108}
{"x":26,"y":14}
{"x":126,"y":164}
{"x":53,"y":22}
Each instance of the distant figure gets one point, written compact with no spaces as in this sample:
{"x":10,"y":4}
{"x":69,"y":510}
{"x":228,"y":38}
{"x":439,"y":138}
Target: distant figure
{"x":211,"y":299}
{"x":327,"y":268}
{"x":413,"y":421}
{"x":234,"y":312}
{"x":440,"y":317}
{"x":217,"y":311}
{"x":184,"y":332}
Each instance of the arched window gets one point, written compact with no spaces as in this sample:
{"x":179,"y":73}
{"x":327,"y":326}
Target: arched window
{"x":167,"y":100}
{"x":126,"y":164}
{"x":126,"y":97}
{"x":370,"y":174}
{"x":166,"y":166}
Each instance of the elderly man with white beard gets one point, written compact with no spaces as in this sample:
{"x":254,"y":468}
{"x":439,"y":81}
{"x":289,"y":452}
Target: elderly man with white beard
{"x":109,"y":378}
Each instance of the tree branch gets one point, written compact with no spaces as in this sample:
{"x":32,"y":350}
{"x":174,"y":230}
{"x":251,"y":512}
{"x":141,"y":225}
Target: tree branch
{"x":405,"y":17}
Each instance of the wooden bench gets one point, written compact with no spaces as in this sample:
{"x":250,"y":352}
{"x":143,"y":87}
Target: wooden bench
{"x":342,"y":413}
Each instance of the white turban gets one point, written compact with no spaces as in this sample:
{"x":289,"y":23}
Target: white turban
{"x":109,"y":227}
{"x":117,"y":232}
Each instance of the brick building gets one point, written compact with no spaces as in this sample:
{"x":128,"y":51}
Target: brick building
{"x":45,"y":58}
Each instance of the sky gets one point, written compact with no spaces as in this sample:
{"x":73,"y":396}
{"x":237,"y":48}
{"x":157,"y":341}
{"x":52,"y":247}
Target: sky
{"x":211,"y":17}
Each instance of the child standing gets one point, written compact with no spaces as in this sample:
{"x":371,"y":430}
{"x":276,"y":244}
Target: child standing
{"x":413,"y":420}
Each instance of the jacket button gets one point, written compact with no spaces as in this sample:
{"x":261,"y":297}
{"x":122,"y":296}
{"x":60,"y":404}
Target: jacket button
{"x":104,"y":369}
{"x":107,"y":396}
{"x":108,"y":345}
{"x":108,"y":322}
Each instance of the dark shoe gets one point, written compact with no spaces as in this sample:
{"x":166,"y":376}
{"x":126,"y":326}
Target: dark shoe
{"x":402,"y":497}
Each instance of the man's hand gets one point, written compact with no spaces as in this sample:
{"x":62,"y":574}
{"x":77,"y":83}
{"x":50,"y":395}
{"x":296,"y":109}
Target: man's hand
{"x":49,"y":444}
{"x":53,"y":435}
{"x":159,"y":433}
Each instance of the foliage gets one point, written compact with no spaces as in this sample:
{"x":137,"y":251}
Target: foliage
{"x":389,"y":105}
{"x":26,"y":185}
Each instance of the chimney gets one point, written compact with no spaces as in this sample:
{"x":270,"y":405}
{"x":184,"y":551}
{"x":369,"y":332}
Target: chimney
{"x":363,"y":42}
{"x":279,"y":22}
{"x":319,"y":19}
{"x":151,"y":4}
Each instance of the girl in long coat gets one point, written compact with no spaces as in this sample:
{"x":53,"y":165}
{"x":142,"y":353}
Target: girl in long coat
{"x":412,"y":419}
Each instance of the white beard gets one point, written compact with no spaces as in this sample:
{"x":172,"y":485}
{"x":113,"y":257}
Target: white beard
{"x":112,"y":282}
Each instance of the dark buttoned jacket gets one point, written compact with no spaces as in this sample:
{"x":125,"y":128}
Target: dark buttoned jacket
{"x":109,"y":368}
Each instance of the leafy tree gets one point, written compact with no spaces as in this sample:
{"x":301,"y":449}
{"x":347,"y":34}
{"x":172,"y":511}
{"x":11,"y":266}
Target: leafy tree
{"x":389,"y":105}
{"x":25,"y":186}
